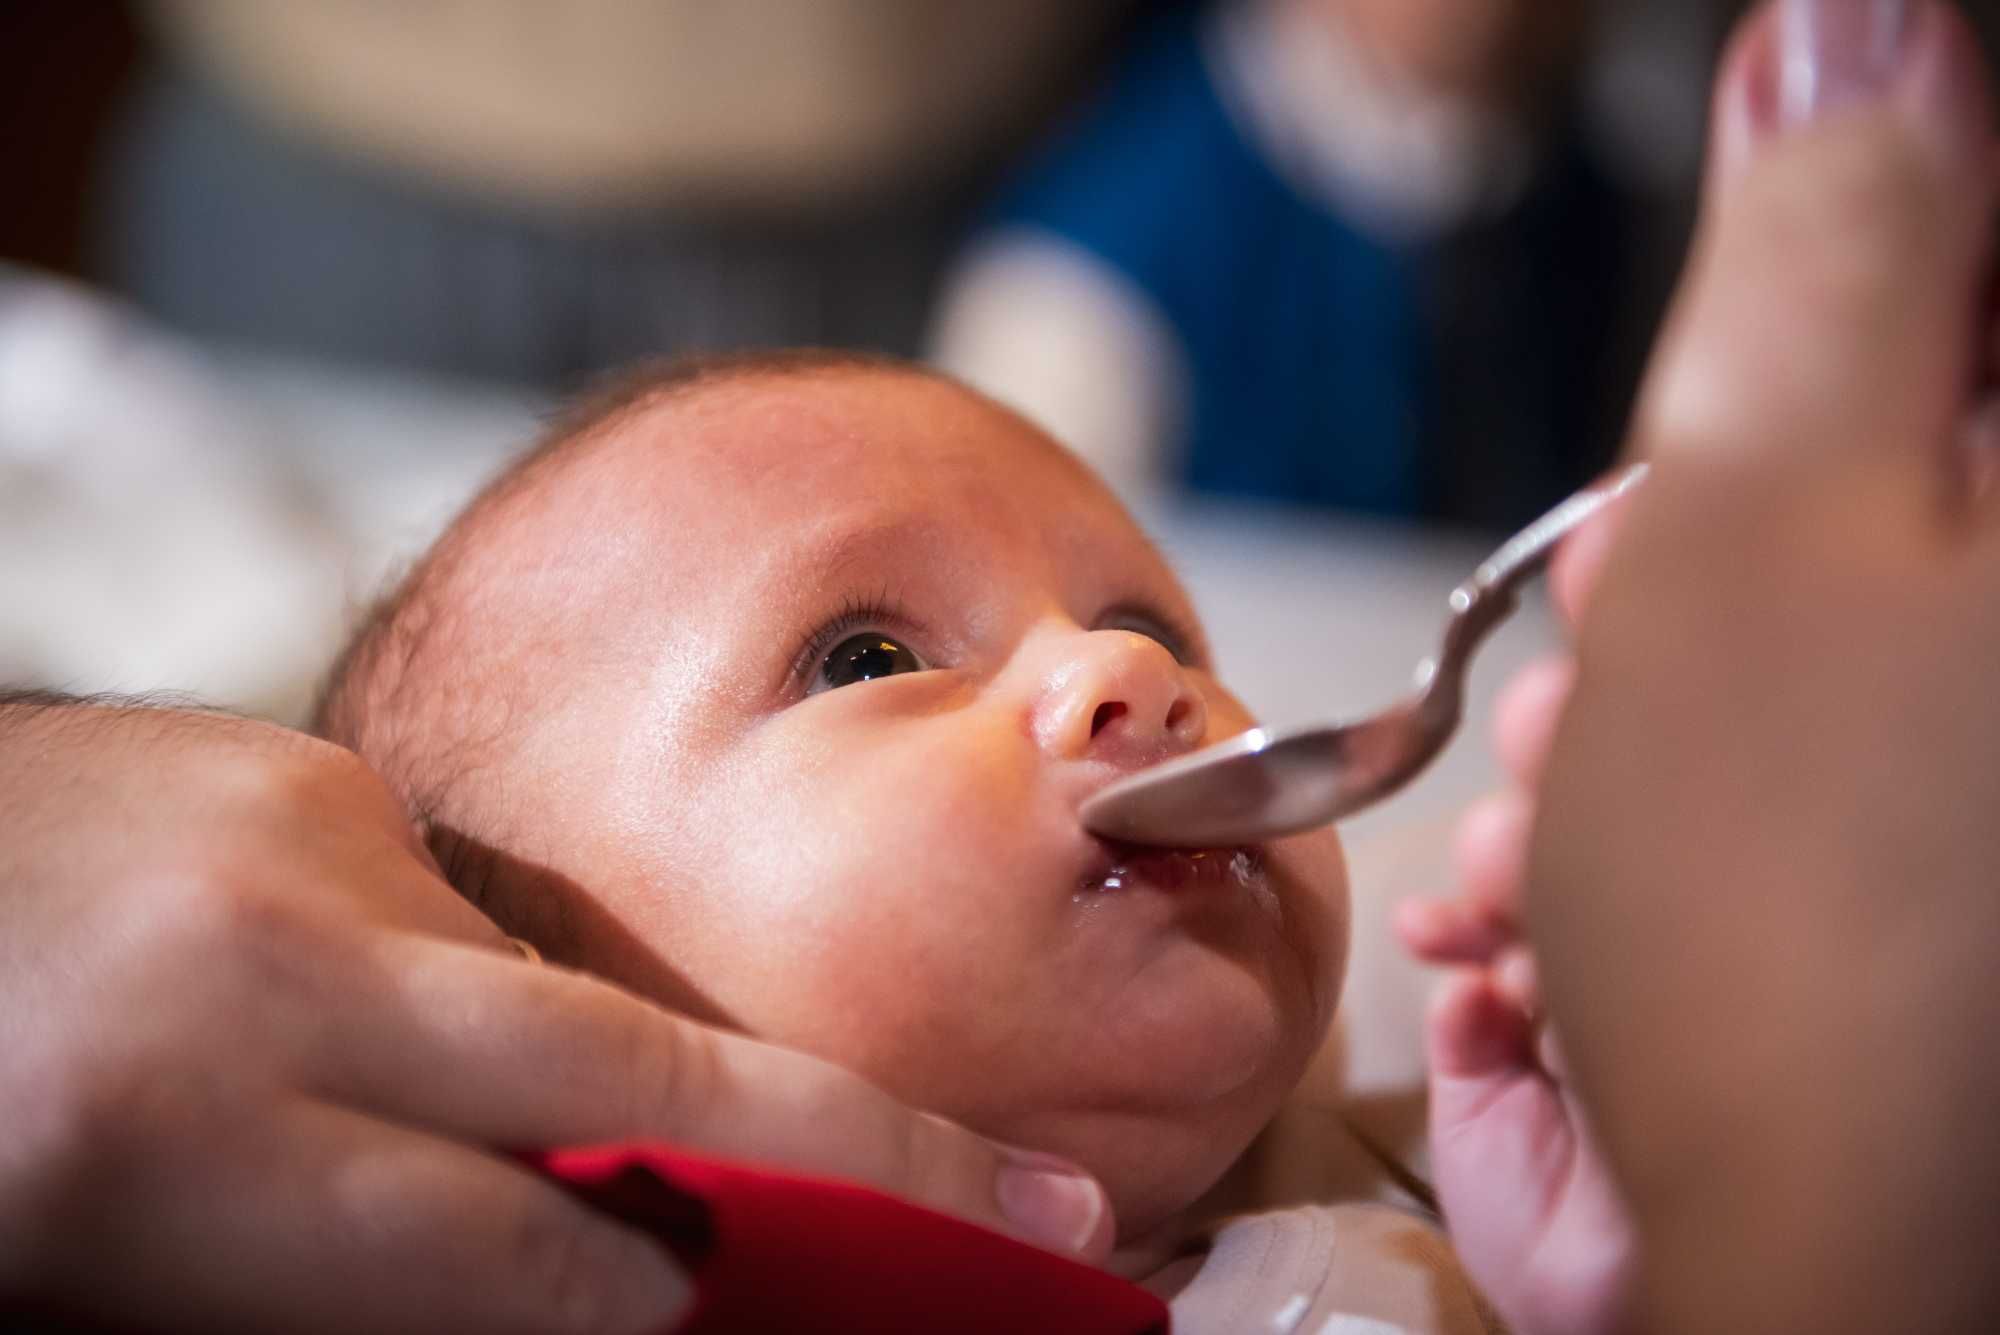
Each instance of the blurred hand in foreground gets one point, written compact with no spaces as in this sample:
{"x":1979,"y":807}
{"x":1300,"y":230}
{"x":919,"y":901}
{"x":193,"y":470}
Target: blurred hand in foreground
{"x":1762,"y":887}
{"x":246,"y":1019}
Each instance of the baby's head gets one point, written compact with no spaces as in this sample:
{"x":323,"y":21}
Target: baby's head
{"x":770,"y":688}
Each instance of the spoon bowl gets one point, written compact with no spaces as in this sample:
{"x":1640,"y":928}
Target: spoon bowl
{"x":1263,"y":784}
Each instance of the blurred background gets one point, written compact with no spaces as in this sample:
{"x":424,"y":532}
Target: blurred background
{"x":1333,"y":290}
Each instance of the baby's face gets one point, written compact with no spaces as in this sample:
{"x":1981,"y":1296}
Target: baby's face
{"x":843,"y":653}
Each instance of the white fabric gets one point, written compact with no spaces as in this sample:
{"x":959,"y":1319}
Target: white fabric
{"x":170,"y":524}
{"x":1048,"y":329}
{"x":1329,"y":1270}
{"x":147,"y":541}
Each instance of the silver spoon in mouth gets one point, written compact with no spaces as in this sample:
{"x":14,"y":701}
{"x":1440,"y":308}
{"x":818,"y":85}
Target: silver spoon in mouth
{"x":1264,"y":784}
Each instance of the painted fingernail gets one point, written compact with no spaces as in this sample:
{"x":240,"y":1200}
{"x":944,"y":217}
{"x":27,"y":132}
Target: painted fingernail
{"x":1051,"y":1202}
{"x":1835,"y":53}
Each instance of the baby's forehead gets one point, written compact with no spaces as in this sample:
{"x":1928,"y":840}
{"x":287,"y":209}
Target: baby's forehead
{"x":811,"y":439}
{"x":759,"y":458}
{"x":708,"y":491}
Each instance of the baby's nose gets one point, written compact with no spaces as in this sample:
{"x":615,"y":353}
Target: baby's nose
{"x":1123,"y":699}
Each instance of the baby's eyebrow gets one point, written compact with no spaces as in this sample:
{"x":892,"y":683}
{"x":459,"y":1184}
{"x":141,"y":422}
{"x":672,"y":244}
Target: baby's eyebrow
{"x":802,"y":572}
{"x":835,"y":548}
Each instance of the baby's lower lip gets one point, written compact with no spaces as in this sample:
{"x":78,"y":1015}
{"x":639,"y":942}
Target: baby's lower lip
{"x":1128,"y":866}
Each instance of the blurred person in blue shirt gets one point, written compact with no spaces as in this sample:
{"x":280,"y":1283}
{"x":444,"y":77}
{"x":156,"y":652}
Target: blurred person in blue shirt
{"x":1347,"y":253}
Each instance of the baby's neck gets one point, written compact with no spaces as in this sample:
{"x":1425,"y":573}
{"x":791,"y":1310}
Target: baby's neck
{"x":1164,"y":1258}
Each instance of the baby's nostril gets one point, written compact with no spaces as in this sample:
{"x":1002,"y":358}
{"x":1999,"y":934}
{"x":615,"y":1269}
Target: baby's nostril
{"x":1104,"y":716}
{"x":1177,"y":714}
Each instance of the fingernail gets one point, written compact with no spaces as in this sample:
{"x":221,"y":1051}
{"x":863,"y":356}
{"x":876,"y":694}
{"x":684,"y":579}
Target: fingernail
{"x":1835,"y":53}
{"x":1051,"y":1202}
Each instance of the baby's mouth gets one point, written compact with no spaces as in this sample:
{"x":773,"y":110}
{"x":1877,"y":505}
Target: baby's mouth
{"x":1124,"y":866}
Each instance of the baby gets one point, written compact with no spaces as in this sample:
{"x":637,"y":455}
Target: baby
{"x":769,"y":688}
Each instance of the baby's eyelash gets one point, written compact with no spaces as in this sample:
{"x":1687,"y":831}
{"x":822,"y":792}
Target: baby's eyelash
{"x":873,"y":613}
{"x":1177,"y":635}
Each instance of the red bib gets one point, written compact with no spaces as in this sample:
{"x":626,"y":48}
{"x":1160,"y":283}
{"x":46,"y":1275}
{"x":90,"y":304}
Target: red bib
{"x":770,"y":1251}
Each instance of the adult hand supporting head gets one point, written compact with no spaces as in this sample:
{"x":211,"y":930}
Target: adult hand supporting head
{"x":1763,"y":876}
{"x":245,"y":1019}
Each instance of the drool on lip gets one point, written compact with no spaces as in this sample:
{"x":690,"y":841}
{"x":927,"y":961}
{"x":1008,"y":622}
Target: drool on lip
{"x":1174,"y":869}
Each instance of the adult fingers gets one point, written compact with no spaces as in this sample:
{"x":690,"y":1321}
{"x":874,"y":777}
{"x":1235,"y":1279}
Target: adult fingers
{"x":1825,"y":232}
{"x":1842,"y":246}
{"x":331,"y":1221}
{"x":489,"y":1049}
{"x":294,"y":817}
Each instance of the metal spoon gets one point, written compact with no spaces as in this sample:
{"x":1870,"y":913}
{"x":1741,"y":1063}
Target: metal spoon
{"x":1264,"y":784}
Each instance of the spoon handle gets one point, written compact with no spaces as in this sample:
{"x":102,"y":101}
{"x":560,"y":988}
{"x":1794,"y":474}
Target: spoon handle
{"x":1486,"y":599}
{"x":1528,"y":551}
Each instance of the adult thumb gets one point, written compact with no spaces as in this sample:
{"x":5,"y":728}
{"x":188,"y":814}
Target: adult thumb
{"x":1835,"y":299}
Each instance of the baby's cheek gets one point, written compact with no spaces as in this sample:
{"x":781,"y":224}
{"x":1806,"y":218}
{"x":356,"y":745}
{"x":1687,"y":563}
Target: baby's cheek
{"x":893,"y":849}
{"x":1227,"y":715}
{"x":1314,"y":897}
{"x":962,"y":785}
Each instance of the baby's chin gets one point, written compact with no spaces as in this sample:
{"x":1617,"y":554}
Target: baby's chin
{"x":1171,"y":1075}
{"x":1159,"y":1104}
{"x":1157,"y":1147}
{"x":1197,"y":995}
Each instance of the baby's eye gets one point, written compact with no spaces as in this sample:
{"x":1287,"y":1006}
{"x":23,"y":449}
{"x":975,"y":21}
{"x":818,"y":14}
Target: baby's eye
{"x":864,"y":658}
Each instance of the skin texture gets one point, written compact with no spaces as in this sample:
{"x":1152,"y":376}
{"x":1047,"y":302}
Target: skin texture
{"x":889,"y":875}
{"x":1755,"y":847}
{"x":177,"y":1086}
